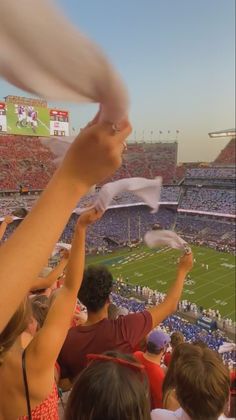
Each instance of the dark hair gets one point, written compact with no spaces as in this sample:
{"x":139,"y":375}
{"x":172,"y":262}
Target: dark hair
{"x":176,"y":338}
{"x":109,"y":390}
{"x":152,"y":348}
{"x":96,"y":287}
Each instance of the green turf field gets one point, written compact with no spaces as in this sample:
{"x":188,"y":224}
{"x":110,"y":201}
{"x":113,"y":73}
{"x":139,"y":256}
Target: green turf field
{"x":213,"y":288}
{"x":43,"y":122}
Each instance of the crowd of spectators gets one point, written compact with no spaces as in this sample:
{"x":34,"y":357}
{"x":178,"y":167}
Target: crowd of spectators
{"x":113,"y":368}
{"x":209,"y":199}
{"x":211,"y":173}
{"x":24,"y":161}
{"x":191,"y":331}
{"x":149,"y":160}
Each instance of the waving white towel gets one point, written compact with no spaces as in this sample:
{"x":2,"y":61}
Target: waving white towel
{"x":59,"y":246}
{"x":155,"y":238}
{"x":42,"y":53}
{"x":227,"y":347}
{"x":149,"y":190}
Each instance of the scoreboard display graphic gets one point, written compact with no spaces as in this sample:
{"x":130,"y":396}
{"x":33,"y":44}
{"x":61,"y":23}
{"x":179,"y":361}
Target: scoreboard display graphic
{"x":32,"y":117}
{"x":3,"y":118}
{"x":59,"y":123}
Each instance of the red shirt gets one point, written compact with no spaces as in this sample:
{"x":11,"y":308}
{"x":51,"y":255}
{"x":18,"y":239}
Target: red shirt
{"x":122,"y":334}
{"x":167,"y":358}
{"x":156,"y":377}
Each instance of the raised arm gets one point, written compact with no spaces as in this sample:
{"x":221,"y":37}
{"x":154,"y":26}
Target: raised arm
{"x":163,"y":310}
{"x":51,"y":278}
{"x":95,"y":154}
{"x":6,"y":221}
{"x":46,"y":346}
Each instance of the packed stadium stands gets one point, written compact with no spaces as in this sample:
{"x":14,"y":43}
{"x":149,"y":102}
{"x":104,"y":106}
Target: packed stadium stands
{"x":203,"y":189}
{"x":211,"y":200}
{"x":24,"y":161}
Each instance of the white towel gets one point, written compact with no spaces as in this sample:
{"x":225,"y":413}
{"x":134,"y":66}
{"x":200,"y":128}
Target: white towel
{"x":59,"y":246}
{"x":42,"y":53}
{"x":149,"y":190}
{"x":227,"y":347}
{"x":156,"y":238}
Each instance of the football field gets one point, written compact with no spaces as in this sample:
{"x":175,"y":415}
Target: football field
{"x":213,"y":288}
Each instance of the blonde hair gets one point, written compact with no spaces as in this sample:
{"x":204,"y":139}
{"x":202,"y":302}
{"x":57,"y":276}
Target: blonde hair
{"x":17,"y":324}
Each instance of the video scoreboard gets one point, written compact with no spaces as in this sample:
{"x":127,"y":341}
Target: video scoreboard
{"x":32,"y":117}
{"x":59,"y":123}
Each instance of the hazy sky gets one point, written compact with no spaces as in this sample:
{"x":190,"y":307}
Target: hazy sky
{"x":177,"y":58}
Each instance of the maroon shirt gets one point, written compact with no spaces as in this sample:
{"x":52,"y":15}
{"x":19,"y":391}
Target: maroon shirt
{"x":122,"y":334}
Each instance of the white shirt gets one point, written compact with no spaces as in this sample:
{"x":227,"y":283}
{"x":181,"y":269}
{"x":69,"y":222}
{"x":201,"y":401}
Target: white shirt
{"x":179,"y":414}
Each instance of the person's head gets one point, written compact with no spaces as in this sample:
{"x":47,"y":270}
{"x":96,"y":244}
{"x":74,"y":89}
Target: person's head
{"x":157,"y":342}
{"x":113,"y":386}
{"x":169,"y":381}
{"x":112,"y":311}
{"x":40,"y":306}
{"x":202,"y":383}
{"x":96,"y":288}
{"x":15,"y":327}
{"x":176,"y":338}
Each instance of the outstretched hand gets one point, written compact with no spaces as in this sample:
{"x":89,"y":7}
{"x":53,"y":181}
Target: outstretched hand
{"x":8,"y":219}
{"x":186,"y":263}
{"x":89,"y":217}
{"x":96,"y":153}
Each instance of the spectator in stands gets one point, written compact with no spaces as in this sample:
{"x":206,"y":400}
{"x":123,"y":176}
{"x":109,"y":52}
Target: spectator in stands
{"x":6,"y":221}
{"x":201,"y":384}
{"x":40,"y":306}
{"x":170,"y":401}
{"x":157,"y":343}
{"x":37,"y":361}
{"x":100,"y":334}
{"x":48,"y":277}
{"x":176,"y":338}
{"x":38,"y":312}
{"x":113,"y":386}
{"x":94,"y":155}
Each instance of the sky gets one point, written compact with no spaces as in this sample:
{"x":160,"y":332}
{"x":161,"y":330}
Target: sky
{"x":177,"y":58}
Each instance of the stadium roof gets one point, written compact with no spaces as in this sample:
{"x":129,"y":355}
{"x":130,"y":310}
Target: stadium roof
{"x":230,"y":132}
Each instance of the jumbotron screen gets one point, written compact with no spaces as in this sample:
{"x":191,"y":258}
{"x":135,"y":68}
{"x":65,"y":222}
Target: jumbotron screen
{"x":32,"y":117}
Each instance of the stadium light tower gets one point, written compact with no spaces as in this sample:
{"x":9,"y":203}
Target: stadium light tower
{"x":230,"y":132}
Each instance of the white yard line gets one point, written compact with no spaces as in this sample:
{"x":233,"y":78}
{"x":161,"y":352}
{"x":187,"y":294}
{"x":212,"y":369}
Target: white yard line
{"x":45,"y":126}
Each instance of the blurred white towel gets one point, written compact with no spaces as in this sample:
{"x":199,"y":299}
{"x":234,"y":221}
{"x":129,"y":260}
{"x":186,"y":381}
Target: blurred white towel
{"x":42,"y":53}
{"x":155,"y":238}
{"x":149,"y":190}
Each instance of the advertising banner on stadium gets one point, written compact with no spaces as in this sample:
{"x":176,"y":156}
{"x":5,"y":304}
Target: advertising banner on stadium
{"x":3,"y":118}
{"x":207,"y":323}
{"x":27,"y":120}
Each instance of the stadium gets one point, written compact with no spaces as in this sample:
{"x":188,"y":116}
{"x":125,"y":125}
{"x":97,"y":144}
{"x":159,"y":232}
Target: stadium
{"x":197,"y":201}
